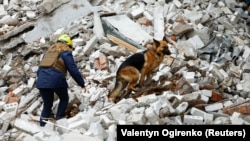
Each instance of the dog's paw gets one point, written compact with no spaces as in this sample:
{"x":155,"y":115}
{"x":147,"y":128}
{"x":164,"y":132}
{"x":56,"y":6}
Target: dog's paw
{"x":138,"y":86}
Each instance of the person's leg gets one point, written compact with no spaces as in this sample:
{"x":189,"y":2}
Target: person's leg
{"x":248,"y":6}
{"x":48,"y":98}
{"x":248,"y":2}
{"x":63,"y":102}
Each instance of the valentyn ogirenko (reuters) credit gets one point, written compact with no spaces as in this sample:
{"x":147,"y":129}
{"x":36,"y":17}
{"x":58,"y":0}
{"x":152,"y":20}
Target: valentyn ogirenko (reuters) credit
{"x":180,"y":131}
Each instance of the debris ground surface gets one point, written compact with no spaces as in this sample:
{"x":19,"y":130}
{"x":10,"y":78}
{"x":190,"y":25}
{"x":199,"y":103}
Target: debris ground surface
{"x":206,"y":79}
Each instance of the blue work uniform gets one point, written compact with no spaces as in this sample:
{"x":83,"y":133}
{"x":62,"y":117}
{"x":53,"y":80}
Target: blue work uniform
{"x":51,"y":80}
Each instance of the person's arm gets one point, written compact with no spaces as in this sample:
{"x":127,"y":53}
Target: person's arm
{"x":38,"y":70}
{"x":72,"y":68}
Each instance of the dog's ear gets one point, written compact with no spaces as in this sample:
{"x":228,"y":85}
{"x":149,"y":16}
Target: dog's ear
{"x":156,"y":42}
{"x":164,"y":38}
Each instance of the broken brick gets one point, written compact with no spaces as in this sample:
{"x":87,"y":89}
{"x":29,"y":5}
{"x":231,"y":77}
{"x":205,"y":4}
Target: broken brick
{"x":11,"y":98}
{"x":144,"y":21}
{"x":242,"y":108}
{"x":180,"y":20}
{"x":173,"y":37}
{"x":215,"y":97}
{"x":101,"y":63}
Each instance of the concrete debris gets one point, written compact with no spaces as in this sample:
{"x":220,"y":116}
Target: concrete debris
{"x":113,"y":27}
{"x":205,"y":80}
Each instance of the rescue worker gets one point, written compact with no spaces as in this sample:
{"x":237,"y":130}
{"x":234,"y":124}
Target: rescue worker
{"x":248,"y":6}
{"x":51,"y":77}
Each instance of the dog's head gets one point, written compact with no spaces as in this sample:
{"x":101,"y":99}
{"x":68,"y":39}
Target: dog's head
{"x":161,"y":47}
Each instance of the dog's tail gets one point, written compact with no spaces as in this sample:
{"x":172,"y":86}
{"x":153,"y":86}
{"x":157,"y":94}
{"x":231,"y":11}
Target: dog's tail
{"x":119,"y":86}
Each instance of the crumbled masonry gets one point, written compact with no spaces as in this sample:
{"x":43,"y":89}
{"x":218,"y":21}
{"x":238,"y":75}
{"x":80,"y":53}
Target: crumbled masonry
{"x":204,"y":81}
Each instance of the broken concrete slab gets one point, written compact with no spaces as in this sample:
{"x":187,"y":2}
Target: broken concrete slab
{"x":193,"y":83}
{"x":17,"y":31}
{"x":115,"y":36}
{"x":29,"y":128}
{"x":48,"y":6}
{"x":181,"y":28}
{"x":159,"y":24}
{"x":12,"y":43}
{"x":129,"y":28}
{"x":61,"y":17}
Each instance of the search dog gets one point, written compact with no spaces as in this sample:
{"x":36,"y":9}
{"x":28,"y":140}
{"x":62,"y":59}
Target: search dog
{"x":137,"y":67}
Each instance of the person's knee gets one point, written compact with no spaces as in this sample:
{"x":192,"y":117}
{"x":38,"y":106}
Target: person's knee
{"x":248,"y":2}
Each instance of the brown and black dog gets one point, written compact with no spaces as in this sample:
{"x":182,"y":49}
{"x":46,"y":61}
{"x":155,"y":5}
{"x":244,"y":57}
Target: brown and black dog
{"x":139,"y":65}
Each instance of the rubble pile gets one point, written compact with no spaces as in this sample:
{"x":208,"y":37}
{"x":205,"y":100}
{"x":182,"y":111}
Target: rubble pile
{"x":204,"y":81}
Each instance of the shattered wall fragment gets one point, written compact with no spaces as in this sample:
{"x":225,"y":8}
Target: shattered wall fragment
{"x":204,"y":81}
